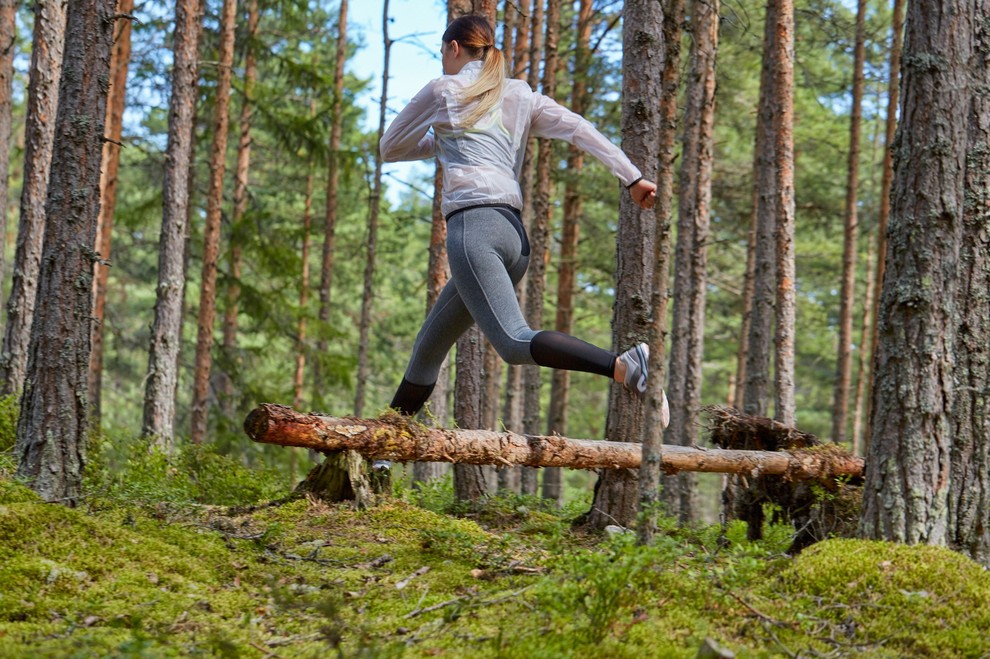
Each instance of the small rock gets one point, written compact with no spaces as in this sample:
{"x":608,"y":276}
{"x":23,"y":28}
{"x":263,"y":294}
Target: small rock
{"x":614,"y":529}
{"x":710,"y":649}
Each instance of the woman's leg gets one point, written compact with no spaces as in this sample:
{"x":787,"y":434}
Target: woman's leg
{"x":489,"y":252}
{"x":447,"y":320}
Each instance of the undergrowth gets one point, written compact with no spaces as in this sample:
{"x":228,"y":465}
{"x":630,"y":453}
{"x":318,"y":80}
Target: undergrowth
{"x":167,"y":558}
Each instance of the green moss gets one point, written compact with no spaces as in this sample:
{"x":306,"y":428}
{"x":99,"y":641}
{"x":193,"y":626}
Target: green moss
{"x":9,"y":410}
{"x":14,"y":492}
{"x":921,"y":600}
{"x":306,"y":578}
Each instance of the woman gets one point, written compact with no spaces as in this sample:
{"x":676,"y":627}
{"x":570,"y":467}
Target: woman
{"x":477,"y":123}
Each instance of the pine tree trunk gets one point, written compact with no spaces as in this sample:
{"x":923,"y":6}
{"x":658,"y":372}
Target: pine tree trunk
{"x":369,"y":265}
{"x":784,"y":406}
{"x":847,"y":295}
{"x":520,"y":49}
{"x":886,"y":182}
{"x":651,"y":430}
{"x":120,"y":57}
{"x":298,"y":379}
{"x":166,"y":332}
{"x":617,"y":493}
{"x":8,"y":43}
{"x":51,"y":446}
{"x":690,"y":268}
{"x":757,"y":385}
{"x":211,"y":232}
{"x":539,"y":237}
{"x":749,"y":288}
{"x":39,"y":135}
{"x":333,"y":186}
{"x":560,"y":382}
{"x":907,"y":491}
{"x":529,"y":376}
{"x":231,"y":362}
{"x":863,"y":367}
{"x":969,"y":496}
{"x":470,"y":483}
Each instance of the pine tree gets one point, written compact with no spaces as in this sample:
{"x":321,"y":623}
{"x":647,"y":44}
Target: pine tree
{"x":119,"y":60}
{"x":843,"y":375}
{"x":39,"y":131}
{"x":211,"y":232}
{"x":51,"y":447}
{"x":906,"y":495}
{"x":166,"y":332}
{"x":617,"y":492}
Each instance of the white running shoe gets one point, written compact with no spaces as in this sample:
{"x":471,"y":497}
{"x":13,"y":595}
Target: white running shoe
{"x":636,"y":359}
{"x":637,"y":370}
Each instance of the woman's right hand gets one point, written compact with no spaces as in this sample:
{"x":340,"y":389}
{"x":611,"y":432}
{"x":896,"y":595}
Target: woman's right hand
{"x":644,"y":193}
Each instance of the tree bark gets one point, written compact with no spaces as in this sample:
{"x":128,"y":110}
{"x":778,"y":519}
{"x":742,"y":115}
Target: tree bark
{"x":560,"y":381}
{"x":120,"y":57}
{"x":333,"y":187}
{"x":470,"y":483}
{"x":396,"y":438}
{"x":529,"y":414}
{"x":756,"y":387}
{"x":369,"y":266}
{"x":166,"y":332}
{"x":783,"y":151}
{"x":52,"y":427}
{"x":651,"y":430}
{"x":694,"y":216}
{"x":906,"y":495}
{"x":299,"y":379}
{"x":211,"y":232}
{"x":617,"y":493}
{"x":539,"y":236}
{"x":863,"y":366}
{"x":39,"y":135}
{"x":231,"y":361}
{"x":8,"y":43}
{"x":969,"y":495}
{"x":847,"y":295}
{"x":886,"y":182}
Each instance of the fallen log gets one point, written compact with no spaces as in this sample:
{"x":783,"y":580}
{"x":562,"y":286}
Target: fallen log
{"x":398,"y":438}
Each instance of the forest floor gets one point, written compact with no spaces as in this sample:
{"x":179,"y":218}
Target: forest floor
{"x":141,"y":569}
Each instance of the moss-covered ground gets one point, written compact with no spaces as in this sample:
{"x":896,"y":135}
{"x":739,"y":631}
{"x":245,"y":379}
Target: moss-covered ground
{"x":143,"y":569}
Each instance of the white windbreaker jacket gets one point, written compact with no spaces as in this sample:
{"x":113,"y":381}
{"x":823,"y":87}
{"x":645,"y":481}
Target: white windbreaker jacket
{"x":482,"y":164}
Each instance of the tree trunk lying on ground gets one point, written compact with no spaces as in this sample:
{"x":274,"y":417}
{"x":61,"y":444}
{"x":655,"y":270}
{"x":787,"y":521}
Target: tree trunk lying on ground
{"x":394,"y":437}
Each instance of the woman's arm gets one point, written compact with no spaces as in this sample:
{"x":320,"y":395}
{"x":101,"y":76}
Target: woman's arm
{"x":408,"y":137}
{"x":552,"y":120}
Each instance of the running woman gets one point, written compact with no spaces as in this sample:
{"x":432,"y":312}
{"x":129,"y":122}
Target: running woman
{"x":477,"y":123}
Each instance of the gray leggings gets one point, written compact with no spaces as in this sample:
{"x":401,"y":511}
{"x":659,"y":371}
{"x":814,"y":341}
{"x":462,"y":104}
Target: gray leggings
{"x":488,"y":253}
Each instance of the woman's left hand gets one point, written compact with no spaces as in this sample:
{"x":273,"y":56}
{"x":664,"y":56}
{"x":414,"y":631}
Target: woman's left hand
{"x":644,"y":193}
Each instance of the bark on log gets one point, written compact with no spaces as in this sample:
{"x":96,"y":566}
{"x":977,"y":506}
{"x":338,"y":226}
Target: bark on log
{"x":394,"y":437}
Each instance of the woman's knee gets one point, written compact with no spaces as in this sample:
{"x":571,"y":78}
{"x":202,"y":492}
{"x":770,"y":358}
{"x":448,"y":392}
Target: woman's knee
{"x":515,"y":349}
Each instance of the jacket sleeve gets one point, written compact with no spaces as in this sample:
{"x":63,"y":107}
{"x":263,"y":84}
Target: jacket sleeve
{"x":408,"y":137}
{"x":551,"y":120}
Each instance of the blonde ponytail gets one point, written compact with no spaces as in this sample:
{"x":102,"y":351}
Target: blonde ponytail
{"x":475,"y":34}
{"x":487,"y":89}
